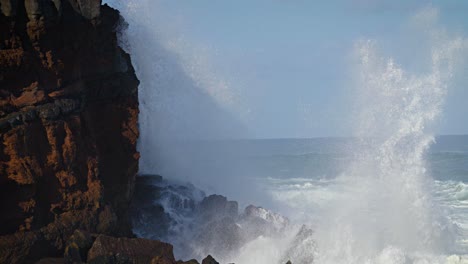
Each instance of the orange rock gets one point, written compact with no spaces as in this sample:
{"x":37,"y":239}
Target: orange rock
{"x":31,"y":95}
{"x":68,"y":127}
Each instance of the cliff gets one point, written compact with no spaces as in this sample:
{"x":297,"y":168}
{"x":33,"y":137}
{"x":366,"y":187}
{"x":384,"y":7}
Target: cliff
{"x":68,"y":126}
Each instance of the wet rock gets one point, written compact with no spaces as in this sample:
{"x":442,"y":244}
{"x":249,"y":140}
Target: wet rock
{"x":257,"y":221}
{"x":129,"y":250}
{"x":278,"y":221}
{"x":221,"y":235}
{"x":209,"y":260}
{"x":148,"y":216}
{"x":303,"y":248}
{"x":217,"y":206}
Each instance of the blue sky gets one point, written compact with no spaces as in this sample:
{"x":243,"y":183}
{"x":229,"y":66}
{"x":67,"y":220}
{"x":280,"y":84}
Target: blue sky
{"x":288,"y":62}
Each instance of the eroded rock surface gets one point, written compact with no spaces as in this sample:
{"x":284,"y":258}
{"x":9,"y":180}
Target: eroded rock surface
{"x":68,"y":126}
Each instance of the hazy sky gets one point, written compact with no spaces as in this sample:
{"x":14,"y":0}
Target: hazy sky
{"x":287,"y":63}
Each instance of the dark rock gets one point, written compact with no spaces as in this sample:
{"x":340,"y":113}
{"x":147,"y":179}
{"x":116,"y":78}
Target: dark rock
{"x":192,"y":261}
{"x":148,"y":216}
{"x":221,"y":235}
{"x":8,"y":7}
{"x":78,"y":246}
{"x":129,"y":250}
{"x":90,"y":9}
{"x":209,"y":260}
{"x":68,"y":127}
{"x":51,"y":261}
{"x":217,"y":206}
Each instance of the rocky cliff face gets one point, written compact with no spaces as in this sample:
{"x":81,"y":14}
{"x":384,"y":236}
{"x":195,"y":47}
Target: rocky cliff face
{"x":68,"y":125}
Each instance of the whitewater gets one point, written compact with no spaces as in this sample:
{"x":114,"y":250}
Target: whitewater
{"x":373,"y":199}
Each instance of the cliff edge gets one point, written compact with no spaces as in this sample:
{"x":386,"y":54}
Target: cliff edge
{"x":68,"y":126}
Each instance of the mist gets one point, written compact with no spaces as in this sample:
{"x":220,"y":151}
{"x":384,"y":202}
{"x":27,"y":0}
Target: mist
{"x":232,"y":106}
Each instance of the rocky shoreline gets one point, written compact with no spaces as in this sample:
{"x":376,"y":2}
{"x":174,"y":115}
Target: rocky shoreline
{"x":198,"y":224}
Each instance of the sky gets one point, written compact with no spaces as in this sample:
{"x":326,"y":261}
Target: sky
{"x":285,"y":67}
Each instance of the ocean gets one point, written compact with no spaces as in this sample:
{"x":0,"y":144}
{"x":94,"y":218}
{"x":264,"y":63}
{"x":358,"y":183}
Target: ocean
{"x":303,"y":179}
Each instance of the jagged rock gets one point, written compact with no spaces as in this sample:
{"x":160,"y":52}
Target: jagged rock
{"x":217,"y":206}
{"x":159,"y":210}
{"x":68,"y":126}
{"x":221,"y":235}
{"x":257,"y":221}
{"x":209,"y":260}
{"x":303,"y":248}
{"x":107,"y":249}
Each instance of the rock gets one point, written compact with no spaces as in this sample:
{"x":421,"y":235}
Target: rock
{"x":192,"y":261}
{"x":257,"y":221}
{"x":217,"y":206}
{"x":68,"y":131}
{"x":222,"y":235}
{"x":209,"y":260}
{"x":51,"y":261}
{"x":278,"y":221}
{"x":90,"y":9}
{"x":148,"y":216}
{"x":8,"y":7}
{"x":129,"y":250}
{"x":78,"y":246}
{"x":303,"y":248}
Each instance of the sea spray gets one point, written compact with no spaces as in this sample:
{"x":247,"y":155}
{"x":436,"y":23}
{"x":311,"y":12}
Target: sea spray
{"x":182,"y":95}
{"x":386,"y":213}
{"x":380,"y":210}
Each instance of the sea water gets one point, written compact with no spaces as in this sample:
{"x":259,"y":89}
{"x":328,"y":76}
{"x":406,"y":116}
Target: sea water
{"x":303,"y":178}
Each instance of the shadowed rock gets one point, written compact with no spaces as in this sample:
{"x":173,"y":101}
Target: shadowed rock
{"x":68,"y":126}
{"x":209,"y":260}
{"x":129,"y":250}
